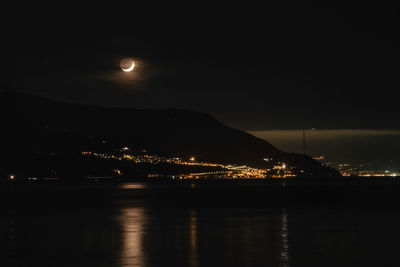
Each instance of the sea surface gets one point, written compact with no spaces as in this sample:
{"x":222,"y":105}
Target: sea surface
{"x":122,"y":225}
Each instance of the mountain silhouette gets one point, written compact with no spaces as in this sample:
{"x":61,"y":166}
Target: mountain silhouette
{"x":34,"y":125}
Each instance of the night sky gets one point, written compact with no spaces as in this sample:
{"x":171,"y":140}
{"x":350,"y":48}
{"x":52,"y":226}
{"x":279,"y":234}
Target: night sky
{"x":285,"y":67}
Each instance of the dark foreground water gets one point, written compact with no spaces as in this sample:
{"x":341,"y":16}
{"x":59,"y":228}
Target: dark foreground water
{"x":108,"y":225}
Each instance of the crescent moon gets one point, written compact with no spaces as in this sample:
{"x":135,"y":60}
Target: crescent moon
{"x":130,"y":68}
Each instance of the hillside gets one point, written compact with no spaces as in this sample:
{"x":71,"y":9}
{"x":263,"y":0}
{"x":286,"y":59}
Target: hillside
{"x":35,"y":125}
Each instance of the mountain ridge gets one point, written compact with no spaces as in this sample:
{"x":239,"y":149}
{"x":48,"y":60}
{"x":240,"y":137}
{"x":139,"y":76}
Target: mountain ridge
{"x":68,"y":128}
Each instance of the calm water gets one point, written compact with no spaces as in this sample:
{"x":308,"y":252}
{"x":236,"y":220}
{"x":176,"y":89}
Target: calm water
{"x":109,"y":230}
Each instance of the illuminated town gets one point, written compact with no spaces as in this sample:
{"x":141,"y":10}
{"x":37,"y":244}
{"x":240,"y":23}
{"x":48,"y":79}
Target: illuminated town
{"x":360,"y":170}
{"x":364,"y":170}
{"x":227,"y":171}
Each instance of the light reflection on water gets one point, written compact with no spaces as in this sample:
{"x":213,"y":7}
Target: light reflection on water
{"x":132,"y":233}
{"x":193,"y":239}
{"x":132,"y":221}
{"x":285,"y":256}
{"x":133,"y":186}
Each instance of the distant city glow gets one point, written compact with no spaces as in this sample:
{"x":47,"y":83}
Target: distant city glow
{"x":364,"y":170}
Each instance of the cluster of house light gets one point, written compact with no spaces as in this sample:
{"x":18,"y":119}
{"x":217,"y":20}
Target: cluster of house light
{"x":230,"y":170}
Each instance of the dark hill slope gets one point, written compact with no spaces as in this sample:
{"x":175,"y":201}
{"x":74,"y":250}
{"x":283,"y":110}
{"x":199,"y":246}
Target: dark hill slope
{"x":33,"y":124}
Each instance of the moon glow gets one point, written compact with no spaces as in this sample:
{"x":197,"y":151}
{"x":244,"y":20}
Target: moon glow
{"x":127,"y":64}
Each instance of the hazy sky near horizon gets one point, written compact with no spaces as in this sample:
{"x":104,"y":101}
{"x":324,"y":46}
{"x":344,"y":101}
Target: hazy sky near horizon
{"x":362,"y":146}
{"x":278,"y":66}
